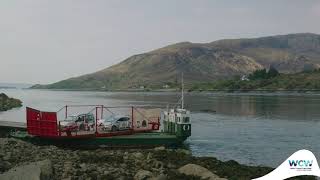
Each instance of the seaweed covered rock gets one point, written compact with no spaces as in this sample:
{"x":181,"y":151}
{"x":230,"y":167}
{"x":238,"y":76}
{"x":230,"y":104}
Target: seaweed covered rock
{"x":7,"y":103}
{"x":199,"y":171}
{"x":41,"y":170}
{"x":118,"y":163}
{"x":143,"y":174}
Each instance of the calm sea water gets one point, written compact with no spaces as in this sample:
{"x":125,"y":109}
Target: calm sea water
{"x":249,"y":128}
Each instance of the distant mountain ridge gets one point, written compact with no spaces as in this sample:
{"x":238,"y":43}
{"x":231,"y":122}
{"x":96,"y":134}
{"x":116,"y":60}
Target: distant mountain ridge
{"x":203,"y":62}
{"x":15,"y":85}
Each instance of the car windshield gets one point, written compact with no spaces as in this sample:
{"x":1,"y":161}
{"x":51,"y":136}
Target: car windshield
{"x":124,"y":119}
{"x":116,"y":118}
{"x":110,"y":119}
{"x":71,"y":118}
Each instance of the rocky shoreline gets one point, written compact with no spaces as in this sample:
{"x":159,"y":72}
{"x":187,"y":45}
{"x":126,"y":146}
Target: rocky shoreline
{"x":24,"y":160}
{"x":7,"y":103}
{"x":50,"y":162}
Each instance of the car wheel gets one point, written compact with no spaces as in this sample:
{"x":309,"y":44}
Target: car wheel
{"x":114,"y":128}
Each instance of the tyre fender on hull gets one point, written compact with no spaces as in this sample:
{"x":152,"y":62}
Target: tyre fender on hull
{"x":186,"y":127}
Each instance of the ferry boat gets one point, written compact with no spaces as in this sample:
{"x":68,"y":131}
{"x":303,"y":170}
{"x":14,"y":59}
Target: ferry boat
{"x":108,"y":126}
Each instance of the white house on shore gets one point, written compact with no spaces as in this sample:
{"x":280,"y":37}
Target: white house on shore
{"x":166,"y":86}
{"x":244,"y":78}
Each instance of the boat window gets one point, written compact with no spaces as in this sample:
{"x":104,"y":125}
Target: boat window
{"x":186,"y":120}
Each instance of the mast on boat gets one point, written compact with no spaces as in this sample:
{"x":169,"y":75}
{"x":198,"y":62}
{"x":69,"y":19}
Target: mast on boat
{"x":182,"y":95}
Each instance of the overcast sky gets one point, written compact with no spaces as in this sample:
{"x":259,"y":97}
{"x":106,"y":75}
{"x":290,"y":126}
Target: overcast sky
{"x":44,"y":41}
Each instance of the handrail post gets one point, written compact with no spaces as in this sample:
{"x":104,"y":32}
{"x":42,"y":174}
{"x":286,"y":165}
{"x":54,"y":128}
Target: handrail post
{"x":132,"y":117}
{"x":96,"y":120}
{"x":66,"y":112}
{"x":102,"y":111}
{"x":59,"y":129}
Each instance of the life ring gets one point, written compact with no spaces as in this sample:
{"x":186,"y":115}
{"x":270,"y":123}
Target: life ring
{"x":155,"y":126}
{"x":186,"y":127}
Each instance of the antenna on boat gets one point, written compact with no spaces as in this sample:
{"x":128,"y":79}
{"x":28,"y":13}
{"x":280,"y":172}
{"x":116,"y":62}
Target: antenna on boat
{"x":182,"y":89}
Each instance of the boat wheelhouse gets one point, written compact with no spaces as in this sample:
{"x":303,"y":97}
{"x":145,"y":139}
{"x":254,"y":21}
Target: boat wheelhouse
{"x":177,"y":121}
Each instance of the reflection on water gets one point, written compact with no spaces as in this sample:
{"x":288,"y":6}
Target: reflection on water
{"x":249,"y":128}
{"x":271,"y":106}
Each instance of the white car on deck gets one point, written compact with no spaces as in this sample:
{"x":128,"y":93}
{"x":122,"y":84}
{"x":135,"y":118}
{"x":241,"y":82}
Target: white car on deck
{"x":81,"y":122}
{"x":115,"y":123}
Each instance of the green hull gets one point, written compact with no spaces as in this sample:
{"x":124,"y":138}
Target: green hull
{"x":138,"y":139}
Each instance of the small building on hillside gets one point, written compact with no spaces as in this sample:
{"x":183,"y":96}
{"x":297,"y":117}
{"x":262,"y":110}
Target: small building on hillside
{"x":244,"y":78}
{"x":166,"y":86}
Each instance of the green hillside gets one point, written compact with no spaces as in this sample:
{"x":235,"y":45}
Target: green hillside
{"x":303,"y":81}
{"x":203,"y":63}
